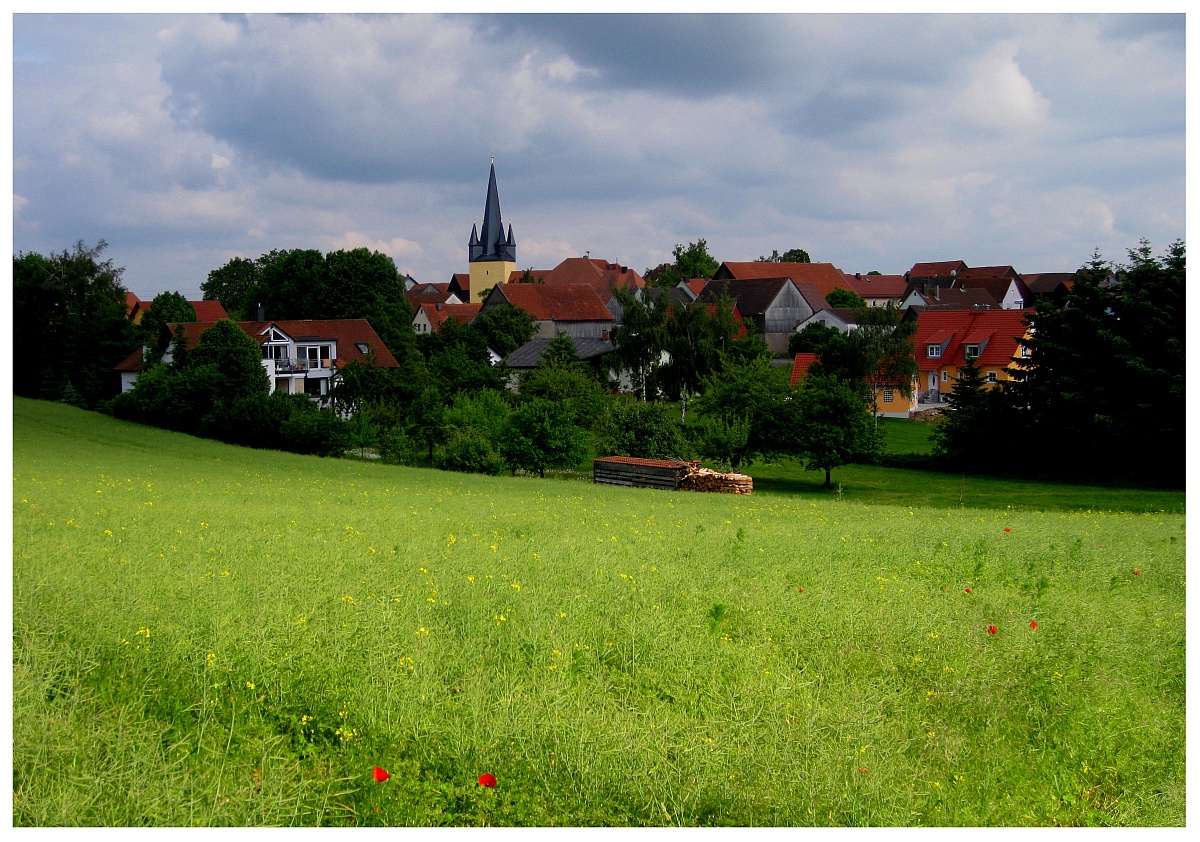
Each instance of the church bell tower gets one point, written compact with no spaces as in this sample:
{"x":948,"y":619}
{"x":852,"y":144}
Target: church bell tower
{"x":493,"y":256}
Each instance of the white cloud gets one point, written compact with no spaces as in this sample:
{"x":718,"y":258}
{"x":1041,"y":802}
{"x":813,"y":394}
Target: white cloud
{"x":998,"y":96}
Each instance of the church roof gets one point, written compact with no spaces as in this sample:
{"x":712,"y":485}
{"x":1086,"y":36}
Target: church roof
{"x":491,"y":243}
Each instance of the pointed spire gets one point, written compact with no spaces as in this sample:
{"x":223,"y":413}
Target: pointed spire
{"x":491,"y":242}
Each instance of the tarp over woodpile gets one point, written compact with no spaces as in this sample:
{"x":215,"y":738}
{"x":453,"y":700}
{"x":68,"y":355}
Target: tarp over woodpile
{"x":667,"y":473}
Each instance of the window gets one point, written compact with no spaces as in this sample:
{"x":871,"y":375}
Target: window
{"x":362,"y":347}
{"x":991,"y":377}
{"x":934,"y":351}
{"x":1024,"y":352}
{"x":888,"y":395}
{"x":972,"y":352}
{"x":944,"y":378}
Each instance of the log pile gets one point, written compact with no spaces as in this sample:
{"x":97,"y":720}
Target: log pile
{"x":703,"y":479}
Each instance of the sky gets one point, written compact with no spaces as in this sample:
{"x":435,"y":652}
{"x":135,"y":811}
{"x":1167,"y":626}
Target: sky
{"x":871,"y":141}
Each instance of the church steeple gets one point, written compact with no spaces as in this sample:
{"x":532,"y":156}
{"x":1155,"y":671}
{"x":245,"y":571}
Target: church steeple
{"x":492,"y":255}
{"x":491,"y":243}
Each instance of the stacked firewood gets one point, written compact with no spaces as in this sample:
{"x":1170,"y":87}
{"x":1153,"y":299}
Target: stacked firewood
{"x":703,"y":479}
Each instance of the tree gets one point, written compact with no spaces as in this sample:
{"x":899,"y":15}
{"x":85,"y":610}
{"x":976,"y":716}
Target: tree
{"x":166,"y":308}
{"x":458,"y":358}
{"x":814,"y":339}
{"x":691,"y":261}
{"x":964,"y":434}
{"x":645,"y":430}
{"x":234,"y":359}
{"x":505,"y":328}
{"x":789,"y":256}
{"x":748,"y":414}
{"x":571,"y":385}
{"x":639,"y":339}
{"x":838,"y":297}
{"x":71,"y":326}
{"x":541,"y":436}
{"x":690,"y":342}
{"x":1105,"y":365}
{"x":232,"y":284}
{"x":834,"y":427}
{"x":877,"y":353}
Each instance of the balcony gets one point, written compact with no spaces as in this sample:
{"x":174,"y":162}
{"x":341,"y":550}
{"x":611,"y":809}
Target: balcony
{"x":285,"y":365}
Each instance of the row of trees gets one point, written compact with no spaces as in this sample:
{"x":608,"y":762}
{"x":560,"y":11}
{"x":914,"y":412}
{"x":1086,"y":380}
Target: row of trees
{"x":1101,"y":395}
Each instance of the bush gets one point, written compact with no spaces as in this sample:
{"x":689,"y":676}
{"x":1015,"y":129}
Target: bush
{"x":398,"y":448}
{"x":472,"y":452}
{"x":642,"y":430}
{"x":317,"y":432}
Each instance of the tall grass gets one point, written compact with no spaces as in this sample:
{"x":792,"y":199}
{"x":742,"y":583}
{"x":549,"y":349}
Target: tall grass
{"x":217,"y":636}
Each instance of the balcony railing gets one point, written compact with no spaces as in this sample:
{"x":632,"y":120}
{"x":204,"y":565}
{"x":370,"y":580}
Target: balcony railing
{"x":284,"y":365}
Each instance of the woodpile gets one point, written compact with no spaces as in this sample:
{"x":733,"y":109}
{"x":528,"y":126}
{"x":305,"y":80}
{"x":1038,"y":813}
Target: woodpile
{"x":703,"y":479}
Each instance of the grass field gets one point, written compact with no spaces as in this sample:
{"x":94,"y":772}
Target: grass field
{"x":208,"y":635}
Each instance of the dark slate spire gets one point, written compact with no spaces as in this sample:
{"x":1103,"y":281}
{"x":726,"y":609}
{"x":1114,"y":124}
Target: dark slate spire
{"x":491,"y":243}
{"x":474,"y":248}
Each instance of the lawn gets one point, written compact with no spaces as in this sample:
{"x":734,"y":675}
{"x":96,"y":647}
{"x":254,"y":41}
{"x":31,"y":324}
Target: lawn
{"x":209,"y":635}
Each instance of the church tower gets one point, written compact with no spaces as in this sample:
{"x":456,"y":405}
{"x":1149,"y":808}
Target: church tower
{"x":493,"y":256}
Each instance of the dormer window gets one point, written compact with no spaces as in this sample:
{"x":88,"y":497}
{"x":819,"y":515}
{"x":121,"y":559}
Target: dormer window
{"x":362,"y":347}
{"x":934,"y":351}
{"x":972,"y":352}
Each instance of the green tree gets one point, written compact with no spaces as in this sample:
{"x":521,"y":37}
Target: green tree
{"x":645,"y":430}
{"x":234,"y":359}
{"x":505,"y":328}
{"x":814,"y":339}
{"x":789,"y":256}
{"x":1106,"y":365}
{"x":458,"y":358}
{"x":691,"y":261}
{"x":542,"y":436}
{"x":71,"y":327}
{"x":571,"y":385}
{"x":694,"y":354}
{"x":753,"y":396}
{"x":639,"y":339}
{"x":838,"y":297}
{"x":166,"y":308}
{"x":233,"y":285}
{"x":877,"y":353}
{"x":834,"y":427}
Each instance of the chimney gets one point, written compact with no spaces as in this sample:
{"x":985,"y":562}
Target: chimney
{"x":937,"y":292}
{"x":857,"y":276}
{"x":439,"y":305}
{"x":259,"y":315}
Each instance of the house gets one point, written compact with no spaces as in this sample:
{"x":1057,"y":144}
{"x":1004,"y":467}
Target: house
{"x":946,"y":339}
{"x":938,"y":272}
{"x":1003,"y":283}
{"x":1051,"y":284}
{"x":574,"y":309}
{"x":601,"y":275}
{"x":890,"y":402}
{"x":825,"y":277}
{"x":416,"y":299}
{"x":301,"y":357}
{"x":878,"y":290}
{"x":206,"y":311}
{"x":775,"y":305}
{"x":939,"y":297}
{"x":843,"y":319}
{"x":529,"y":356}
{"x":429,"y":317}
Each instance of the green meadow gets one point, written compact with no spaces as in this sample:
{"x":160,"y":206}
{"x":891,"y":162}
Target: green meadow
{"x":209,"y":635}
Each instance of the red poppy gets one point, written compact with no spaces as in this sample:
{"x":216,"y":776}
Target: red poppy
{"x":1137,"y":573}
{"x":487,"y":779}
{"x":799,"y":590}
{"x":380,"y":775}
{"x":991,"y":629}
{"x":1006,"y":529}
{"x":968,"y":590}
{"x":1033,"y":624}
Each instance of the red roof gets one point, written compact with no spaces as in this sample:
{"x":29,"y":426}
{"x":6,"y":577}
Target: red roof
{"x":711,"y":310}
{"x":438,"y":313}
{"x":1000,"y":329}
{"x":347,"y":333}
{"x":209,"y":311}
{"x":825,"y":277}
{"x":936,"y":270}
{"x":645,"y":463}
{"x":554,"y":302}
{"x":416,"y":299}
{"x":877,"y":286}
{"x":600,"y":275}
{"x":696,"y":285}
{"x":131,"y":301}
{"x":131,"y":363}
{"x":800,"y":366}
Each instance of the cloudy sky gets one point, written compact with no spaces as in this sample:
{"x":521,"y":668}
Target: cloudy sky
{"x":873,"y":141}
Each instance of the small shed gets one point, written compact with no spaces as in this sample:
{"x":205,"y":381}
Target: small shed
{"x":640,"y":473}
